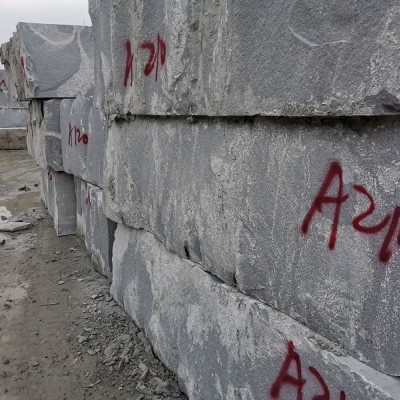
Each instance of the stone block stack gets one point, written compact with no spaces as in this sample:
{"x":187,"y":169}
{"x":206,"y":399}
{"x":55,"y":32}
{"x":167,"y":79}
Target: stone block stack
{"x":252,"y":168}
{"x":13,"y":118}
{"x":51,"y":67}
{"x":236,"y":176}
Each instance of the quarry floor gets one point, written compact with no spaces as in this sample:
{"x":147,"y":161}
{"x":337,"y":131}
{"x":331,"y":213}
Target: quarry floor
{"x":61,"y":334}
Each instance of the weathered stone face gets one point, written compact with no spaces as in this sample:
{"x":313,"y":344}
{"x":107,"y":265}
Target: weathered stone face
{"x":223,"y":344}
{"x":99,"y":234}
{"x":43,"y":133}
{"x":59,"y":188}
{"x":83,"y":132}
{"x":49,"y":61}
{"x":291,"y":57}
{"x":234,"y":197}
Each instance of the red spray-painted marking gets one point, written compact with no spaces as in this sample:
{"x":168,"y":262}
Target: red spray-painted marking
{"x":75,"y":137}
{"x":357,"y":221}
{"x":157,"y":55}
{"x":49,"y":175}
{"x":385,"y":253}
{"x":3,"y":84}
{"x":335,"y":170}
{"x":393,"y":220}
{"x":326,"y":395}
{"x":129,"y":63}
{"x":285,"y":379}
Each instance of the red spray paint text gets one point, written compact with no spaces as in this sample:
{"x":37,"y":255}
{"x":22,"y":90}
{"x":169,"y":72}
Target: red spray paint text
{"x":285,"y":379}
{"x":335,"y":173}
{"x":157,"y":57}
{"x":75,"y":137}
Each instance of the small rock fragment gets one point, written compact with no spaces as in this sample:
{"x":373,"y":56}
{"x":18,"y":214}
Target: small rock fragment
{"x":82,"y":339}
{"x":14,"y":226}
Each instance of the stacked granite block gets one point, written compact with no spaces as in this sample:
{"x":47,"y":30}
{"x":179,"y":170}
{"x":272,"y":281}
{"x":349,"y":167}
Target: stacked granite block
{"x":233,"y":171}
{"x":51,"y":66}
{"x":219,"y":201}
{"x":13,"y":118}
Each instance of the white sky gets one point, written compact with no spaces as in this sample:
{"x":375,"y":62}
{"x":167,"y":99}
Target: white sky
{"x":67,"y":12}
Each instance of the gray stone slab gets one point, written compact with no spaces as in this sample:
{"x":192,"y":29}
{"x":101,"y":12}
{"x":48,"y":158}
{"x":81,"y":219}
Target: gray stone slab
{"x":84,"y":131}
{"x":290,"y":57}
{"x":50,"y":61}
{"x":12,"y":138}
{"x":233,"y":195}
{"x":62,"y":202}
{"x":75,"y":135}
{"x":99,"y":234}
{"x":224,"y":345}
{"x":14,"y":226}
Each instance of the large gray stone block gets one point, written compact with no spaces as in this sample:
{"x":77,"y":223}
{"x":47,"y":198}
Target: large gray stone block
{"x":61,"y":201}
{"x":289,"y":57}
{"x":233,"y":195}
{"x":84,"y":130}
{"x":99,"y":234}
{"x":224,"y":345}
{"x":12,"y":138}
{"x":49,"y":61}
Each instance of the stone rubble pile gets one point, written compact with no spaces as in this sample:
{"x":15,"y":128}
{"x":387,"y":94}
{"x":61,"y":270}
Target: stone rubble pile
{"x":234,"y":171}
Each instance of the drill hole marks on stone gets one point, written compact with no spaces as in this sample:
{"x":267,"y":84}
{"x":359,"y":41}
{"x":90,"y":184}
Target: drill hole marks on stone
{"x":322,"y":199}
{"x":287,"y":381}
{"x":75,"y":136}
{"x":157,"y":57}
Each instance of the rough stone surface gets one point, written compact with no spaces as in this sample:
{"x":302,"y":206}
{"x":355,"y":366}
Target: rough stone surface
{"x":84,"y":130}
{"x":291,"y":57}
{"x":232,"y":196}
{"x":220,"y":343}
{"x":6,"y":100}
{"x":44,"y":135}
{"x":35,"y":134}
{"x":13,"y":139}
{"x":75,"y":135}
{"x":61,"y":201}
{"x":14,"y":226}
{"x":81,"y":207}
{"x":49,"y":61}
{"x":52,"y":134}
{"x":99,"y":233}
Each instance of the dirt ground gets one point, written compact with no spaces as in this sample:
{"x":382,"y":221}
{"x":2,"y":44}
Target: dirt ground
{"x":61,"y":334}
